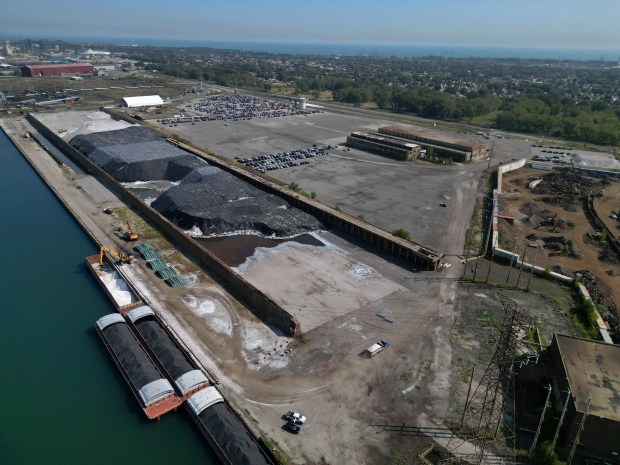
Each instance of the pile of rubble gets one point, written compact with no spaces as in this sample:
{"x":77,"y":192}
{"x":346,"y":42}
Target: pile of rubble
{"x":559,"y":246}
{"x":600,"y":294}
{"x":568,"y":186}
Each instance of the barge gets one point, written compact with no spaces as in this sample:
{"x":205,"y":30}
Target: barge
{"x":223,"y":430}
{"x":162,"y":373}
{"x":151,"y":389}
{"x":173,"y":359}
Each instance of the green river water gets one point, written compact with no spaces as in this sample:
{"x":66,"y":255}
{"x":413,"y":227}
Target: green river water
{"x":62,"y":399}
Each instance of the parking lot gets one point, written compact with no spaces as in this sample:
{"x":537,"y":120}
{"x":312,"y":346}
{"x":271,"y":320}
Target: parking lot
{"x":561,"y":155}
{"x":388,"y":193}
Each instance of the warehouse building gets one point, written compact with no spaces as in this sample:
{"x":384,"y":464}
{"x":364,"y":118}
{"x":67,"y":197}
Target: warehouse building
{"x":56,"y":70}
{"x":382,"y":145}
{"x":586,"y":379}
{"x":440,"y":144}
{"x":142,"y":101}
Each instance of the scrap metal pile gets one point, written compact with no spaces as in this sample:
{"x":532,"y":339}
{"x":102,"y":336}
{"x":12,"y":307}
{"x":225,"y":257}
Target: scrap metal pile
{"x":568,"y":186}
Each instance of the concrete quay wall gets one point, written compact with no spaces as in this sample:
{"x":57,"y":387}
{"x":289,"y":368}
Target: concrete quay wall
{"x":256,"y":301}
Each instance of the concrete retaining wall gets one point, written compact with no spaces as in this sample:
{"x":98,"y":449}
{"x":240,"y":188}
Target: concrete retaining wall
{"x":261,"y":305}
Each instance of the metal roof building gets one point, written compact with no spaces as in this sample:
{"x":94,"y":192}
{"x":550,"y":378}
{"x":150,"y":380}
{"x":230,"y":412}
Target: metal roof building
{"x":142,"y":101}
{"x":56,"y":70}
{"x":460,"y":149}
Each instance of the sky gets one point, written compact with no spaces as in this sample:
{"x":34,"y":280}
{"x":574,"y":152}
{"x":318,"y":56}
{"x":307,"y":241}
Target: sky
{"x":501,"y":23}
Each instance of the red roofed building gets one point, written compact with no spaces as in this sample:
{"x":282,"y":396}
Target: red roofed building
{"x":56,"y":69}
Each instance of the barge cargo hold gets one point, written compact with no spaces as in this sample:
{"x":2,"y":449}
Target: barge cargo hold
{"x":175,"y":362}
{"x":226,"y":434}
{"x":154,"y":393}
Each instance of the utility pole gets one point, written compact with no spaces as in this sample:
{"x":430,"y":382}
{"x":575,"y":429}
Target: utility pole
{"x":478,"y":255}
{"x":540,"y":422}
{"x":579,"y":430}
{"x":533,"y":265}
{"x":471,"y":379}
{"x":557,"y":430}
{"x":521,"y":269}
{"x":466,"y":253}
{"x":514,"y":249}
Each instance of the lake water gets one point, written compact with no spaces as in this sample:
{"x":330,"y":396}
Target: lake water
{"x":63,"y":399}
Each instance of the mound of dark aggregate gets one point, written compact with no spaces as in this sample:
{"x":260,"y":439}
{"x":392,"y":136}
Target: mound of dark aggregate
{"x":173,"y":360}
{"x":136,"y":154}
{"x":132,"y":357}
{"x":87,"y":143}
{"x":180,"y":167}
{"x":231,"y":435}
{"x":217,"y":202}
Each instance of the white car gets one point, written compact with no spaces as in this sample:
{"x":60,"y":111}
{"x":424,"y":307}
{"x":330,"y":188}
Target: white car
{"x":295,"y":417}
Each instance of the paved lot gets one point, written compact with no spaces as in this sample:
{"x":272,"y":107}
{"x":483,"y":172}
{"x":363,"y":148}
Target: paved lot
{"x":388,"y":193}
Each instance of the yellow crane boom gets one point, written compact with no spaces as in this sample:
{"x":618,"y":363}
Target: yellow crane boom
{"x":122,"y":257}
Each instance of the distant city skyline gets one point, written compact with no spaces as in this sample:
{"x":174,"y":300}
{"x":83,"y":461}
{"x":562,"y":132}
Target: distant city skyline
{"x":505,"y":23}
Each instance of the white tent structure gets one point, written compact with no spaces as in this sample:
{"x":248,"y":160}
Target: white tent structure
{"x":142,"y":101}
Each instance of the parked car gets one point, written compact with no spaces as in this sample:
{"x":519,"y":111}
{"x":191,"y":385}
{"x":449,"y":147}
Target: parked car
{"x":292,"y":428}
{"x":294,"y":417}
{"x":442,"y":204}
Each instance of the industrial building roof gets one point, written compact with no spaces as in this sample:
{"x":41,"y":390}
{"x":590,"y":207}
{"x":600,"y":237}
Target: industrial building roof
{"x":439,"y":137}
{"x":592,"y":368}
{"x":143,"y":101}
{"x":61,"y":65}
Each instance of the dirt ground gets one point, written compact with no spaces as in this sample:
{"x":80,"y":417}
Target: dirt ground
{"x":351,"y":401}
{"x":534,"y":223}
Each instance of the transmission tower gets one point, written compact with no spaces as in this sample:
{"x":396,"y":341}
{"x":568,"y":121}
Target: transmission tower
{"x":487,"y":426}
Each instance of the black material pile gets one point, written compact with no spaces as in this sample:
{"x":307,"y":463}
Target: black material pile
{"x":87,"y":143}
{"x":231,"y":435}
{"x":132,"y":357}
{"x":170,"y":356}
{"x":136,"y":154}
{"x":217,"y":202}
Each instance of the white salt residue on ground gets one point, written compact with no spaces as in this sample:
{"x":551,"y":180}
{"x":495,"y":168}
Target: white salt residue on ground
{"x":211,"y":311}
{"x":260,"y":253}
{"x":191,"y":279}
{"x":118,"y":289}
{"x":96,"y":122}
{"x":361,"y":271}
{"x":351,"y":325}
{"x":264,"y":349}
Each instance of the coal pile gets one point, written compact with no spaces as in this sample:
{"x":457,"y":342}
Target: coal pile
{"x":216,"y":202}
{"x":86,"y":143}
{"x":136,"y":154}
{"x":173,"y":360}
{"x":132,"y":357}
{"x":231,"y":435}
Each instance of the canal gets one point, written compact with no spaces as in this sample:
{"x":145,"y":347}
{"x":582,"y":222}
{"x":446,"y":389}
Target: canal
{"x":62,"y":398}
